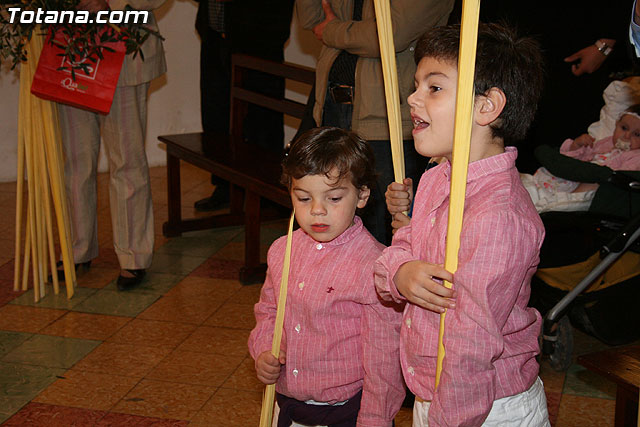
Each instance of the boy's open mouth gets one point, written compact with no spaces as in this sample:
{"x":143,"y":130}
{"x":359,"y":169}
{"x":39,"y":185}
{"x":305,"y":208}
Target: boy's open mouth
{"x":319,"y":227}
{"x":418,"y":123}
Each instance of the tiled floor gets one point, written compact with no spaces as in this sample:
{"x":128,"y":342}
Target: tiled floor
{"x":172,"y":352}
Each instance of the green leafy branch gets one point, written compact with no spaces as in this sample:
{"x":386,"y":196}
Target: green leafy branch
{"x":82,"y":43}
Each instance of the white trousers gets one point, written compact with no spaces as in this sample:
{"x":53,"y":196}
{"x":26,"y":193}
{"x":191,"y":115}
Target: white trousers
{"x":527,"y":409}
{"x":123,"y":133}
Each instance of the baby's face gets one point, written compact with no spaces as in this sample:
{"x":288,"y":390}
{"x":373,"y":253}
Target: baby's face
{"x":627,"y":132}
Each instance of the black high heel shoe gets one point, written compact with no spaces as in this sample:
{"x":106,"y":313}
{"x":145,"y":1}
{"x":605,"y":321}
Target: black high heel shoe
{"x":126,"y":283}
{"x":60,"y":270}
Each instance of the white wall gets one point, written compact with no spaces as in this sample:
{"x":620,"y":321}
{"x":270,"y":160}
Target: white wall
{"x":174,"y":100}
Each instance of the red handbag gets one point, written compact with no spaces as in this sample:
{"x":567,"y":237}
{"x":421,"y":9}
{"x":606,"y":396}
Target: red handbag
{"x":93,"y":92}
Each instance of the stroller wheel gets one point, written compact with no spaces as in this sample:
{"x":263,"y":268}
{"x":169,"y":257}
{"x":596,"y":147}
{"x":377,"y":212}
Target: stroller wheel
{"x":561,"y":355}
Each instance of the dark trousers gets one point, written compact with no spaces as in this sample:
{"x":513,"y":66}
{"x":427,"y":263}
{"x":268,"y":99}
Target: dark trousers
{"x":375,"y":216}
{"x":260,"y":126}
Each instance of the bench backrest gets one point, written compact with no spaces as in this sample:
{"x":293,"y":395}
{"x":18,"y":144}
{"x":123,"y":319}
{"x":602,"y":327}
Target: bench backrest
{"x":241,"y":96}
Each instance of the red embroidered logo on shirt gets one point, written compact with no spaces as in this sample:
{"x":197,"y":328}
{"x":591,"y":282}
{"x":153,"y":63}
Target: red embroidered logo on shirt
{"x":329,"y":289}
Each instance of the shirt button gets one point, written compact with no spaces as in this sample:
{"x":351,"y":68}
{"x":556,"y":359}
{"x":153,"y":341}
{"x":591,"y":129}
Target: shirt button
{"x":295,"y":372}
{"x":408,"y":322}
{"x":319,"y":246}
{"x":409,"y":369}
{"x":433,"y":221}
{"x":411,"y":49}
{"x":297,"y":328}
{"x":301,"y":285}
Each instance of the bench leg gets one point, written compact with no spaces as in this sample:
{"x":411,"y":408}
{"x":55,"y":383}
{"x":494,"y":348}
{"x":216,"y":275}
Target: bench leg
{"x":626,"y":407}
{"x":253,"y":271}
{"x":171,"y":228}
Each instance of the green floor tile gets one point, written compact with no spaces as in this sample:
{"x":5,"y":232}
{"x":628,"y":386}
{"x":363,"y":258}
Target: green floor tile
{"x":128,"y":304}
{"x":50,"y":351}
{"x":175,"y":263}
{"x":201,"y":245}
{"x":582,"y":382}
{"x":19,"y":384}
{"x":52,"y":300}
{"x":11,"y":340}
{"x":10,"y":405}
{"x":153,"y":283}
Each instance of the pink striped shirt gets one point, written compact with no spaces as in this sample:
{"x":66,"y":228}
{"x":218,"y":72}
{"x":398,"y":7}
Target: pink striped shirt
{"x":338,"y":336}
{"x":491,"y":338}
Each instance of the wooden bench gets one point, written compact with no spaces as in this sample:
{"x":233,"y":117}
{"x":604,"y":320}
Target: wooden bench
{"x":253,"y":172}
{"x":622,"y":366}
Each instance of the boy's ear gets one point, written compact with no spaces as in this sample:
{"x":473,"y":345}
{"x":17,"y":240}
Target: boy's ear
{"x":363,"y":196}
{"x":489,"y":106}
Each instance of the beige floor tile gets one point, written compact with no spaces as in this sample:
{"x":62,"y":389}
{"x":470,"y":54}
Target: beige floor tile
{"x":585,"y":412}
{"x":233,"y":316}
{"x":244,"y":378}
{"x":86,"y":325}
{"x":153,"y":333}
{"x":87,"y":390}
{"x":122,"y":359}
{"x":165,"y":400}
{"x":22,"y":318}
{"x":205,"y":287}
{"x":249,"y":294}
{"x":230,"y":408}
{"x":180,"y":309}
{"x":209,"y":339}
{"x":97,"y":277}
{"x":195,"y":368}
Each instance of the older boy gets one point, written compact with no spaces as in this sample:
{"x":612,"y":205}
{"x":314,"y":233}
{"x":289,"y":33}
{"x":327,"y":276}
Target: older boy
{"x":490,"y":371}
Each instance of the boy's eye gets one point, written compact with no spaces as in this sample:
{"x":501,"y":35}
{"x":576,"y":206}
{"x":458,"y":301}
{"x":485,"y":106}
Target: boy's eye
{"x":435,"y":88}
{"x":335,"y":199}
{"x":303,"y":199}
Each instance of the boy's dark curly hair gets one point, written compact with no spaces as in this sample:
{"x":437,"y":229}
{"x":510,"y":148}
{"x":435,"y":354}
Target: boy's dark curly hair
{"x":505,"y":61}
{"x":320,"y":151}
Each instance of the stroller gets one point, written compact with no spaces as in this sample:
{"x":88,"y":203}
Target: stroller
{"x":589,"y":272}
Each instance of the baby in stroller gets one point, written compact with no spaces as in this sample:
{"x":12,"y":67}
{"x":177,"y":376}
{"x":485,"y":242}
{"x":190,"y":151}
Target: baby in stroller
{"x":620,"y":151}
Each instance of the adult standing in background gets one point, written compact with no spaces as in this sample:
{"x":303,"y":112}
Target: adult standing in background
{"x":253,"y":27}
{"x":583,"y":44}
{"x":123,"y":132}
{"x":349,"y":90}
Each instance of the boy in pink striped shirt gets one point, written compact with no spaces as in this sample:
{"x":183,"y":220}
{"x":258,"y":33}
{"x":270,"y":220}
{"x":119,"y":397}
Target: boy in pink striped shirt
{"x":339,"y":364}
{"x":490,"y":374}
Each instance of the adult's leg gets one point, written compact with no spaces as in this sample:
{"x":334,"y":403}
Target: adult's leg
{"x":215,"y":89}
{"x":81,"y":142}
{"x":375,"y":216}
{"x":123,"y":132}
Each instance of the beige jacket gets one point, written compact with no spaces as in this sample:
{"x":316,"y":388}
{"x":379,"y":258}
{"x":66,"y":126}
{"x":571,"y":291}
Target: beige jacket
{"x":134,"y":70}
{"x":410,"y":19}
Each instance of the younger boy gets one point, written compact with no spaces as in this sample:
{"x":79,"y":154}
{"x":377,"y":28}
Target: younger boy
{"x":339,"y":362}
{"x":490,"y":374}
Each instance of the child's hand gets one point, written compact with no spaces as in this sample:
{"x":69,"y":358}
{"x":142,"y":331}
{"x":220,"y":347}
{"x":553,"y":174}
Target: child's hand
{"x":399,"y":196}
{"x":268,"y":367}
{"x":399,"y":220}
{"x":414,"y":281}
{"x":584,"y":140}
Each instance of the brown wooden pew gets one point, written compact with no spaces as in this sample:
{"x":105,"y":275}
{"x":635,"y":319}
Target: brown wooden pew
{"x":253,"y":172}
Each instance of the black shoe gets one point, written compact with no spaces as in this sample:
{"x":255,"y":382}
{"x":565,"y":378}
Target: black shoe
{"x":60,"y":270}
{"x":126,"y":283}
{"x":219,"y":199}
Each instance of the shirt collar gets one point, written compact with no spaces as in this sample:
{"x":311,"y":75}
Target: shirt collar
{"x":490,"y":165}
{"x":346,"y":236}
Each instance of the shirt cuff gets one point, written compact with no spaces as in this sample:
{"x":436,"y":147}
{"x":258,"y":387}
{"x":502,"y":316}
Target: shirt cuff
{"x":385,"y":270}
